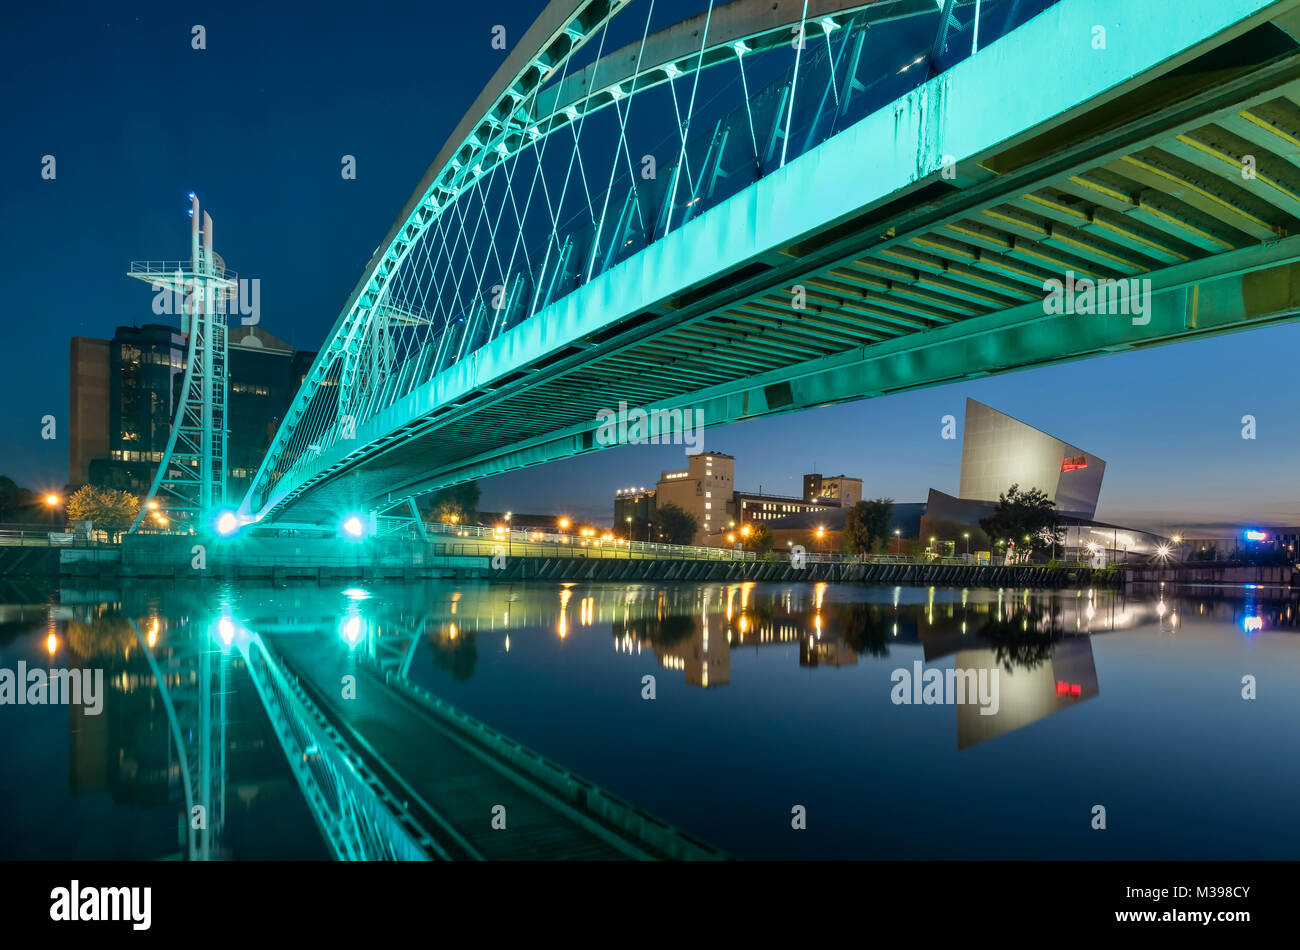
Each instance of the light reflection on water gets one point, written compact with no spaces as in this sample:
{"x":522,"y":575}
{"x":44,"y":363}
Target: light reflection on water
{"x":766,"y":696}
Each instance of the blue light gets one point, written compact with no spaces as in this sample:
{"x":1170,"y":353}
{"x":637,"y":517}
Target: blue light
{"x":353,"y":526}
{"x":227,"y":523}
{"x":1253,"y":535}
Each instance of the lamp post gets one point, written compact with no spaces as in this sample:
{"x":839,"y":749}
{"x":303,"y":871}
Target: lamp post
{"x":53,"y":501}
{"x":509,"y":539}
{"x":629,"y":529}
{"x":898,"y":541}
{"x":966,"y":535}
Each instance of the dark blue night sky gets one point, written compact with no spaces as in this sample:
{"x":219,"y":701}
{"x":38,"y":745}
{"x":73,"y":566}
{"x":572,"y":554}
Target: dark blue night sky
{"x":257,"y":123}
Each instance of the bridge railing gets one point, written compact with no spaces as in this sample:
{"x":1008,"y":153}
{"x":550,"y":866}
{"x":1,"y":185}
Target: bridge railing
{"x":170,"y":268}
{"x":481,"y":540}
{"x":558,"y":544}
{"x":31,"y":536}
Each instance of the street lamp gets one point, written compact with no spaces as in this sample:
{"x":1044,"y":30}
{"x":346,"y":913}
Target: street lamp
{"x":629,"y":529}
{"x":898,"y":539}
{"x":509,"y":539}
{"x":53,"y":501}
{"x":821,"y":533}
{"x":966,"y":535}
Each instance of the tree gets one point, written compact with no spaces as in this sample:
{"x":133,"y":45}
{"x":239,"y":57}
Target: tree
{"x":17,"y":503}
{"x":105,"y":635}
{"x":1025,"y":641}
{"x":760,"y":537}
{"x":458,"y":655}
{"x":457,"y":504}
{"x":868,"y":522}
{"x":866,"y":628}
{"x":107,"y":509}
{"x":1026,"y":519}
{"x":675,"y":525}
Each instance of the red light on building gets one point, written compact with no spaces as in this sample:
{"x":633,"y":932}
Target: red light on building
{"x":1068,"y":689}
{"x":1074,"y":462}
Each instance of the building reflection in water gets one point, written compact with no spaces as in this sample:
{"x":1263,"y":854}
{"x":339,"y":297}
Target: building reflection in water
{"x":1040,"y":641}
{"x":128,"y":751}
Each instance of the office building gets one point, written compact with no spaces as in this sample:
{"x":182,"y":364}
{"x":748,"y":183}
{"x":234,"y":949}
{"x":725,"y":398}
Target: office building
{"x":754,"y":507}
{"x":834,"y":490}
{"x":125,"y":392}
{"x":88,"y":407}
{"x":634,"y":513}
{"x":706,"y":489}
{"x":703,"y":489}
{"x":261,"y":385}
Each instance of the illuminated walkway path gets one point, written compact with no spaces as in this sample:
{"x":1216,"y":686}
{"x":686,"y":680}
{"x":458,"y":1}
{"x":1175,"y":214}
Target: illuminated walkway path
{"x":453,"y":772}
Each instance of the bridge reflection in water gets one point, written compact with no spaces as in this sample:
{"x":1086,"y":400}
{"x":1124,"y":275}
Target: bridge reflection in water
{"x":390,"y":770}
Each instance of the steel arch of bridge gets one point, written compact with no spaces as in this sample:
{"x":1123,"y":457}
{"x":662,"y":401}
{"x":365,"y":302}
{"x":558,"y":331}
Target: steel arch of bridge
{"x":435,"y":291}
{"x":922,"y":231}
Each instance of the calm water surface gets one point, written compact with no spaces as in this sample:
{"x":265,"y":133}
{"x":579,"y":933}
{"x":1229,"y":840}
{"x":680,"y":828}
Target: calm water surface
{"x":766,"y":697}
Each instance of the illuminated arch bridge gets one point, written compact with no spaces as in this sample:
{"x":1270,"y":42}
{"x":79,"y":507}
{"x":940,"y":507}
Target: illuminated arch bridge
{"x":779,"y":204}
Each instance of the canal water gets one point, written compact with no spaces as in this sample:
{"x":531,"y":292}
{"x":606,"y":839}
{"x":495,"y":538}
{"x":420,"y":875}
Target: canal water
{"x":733,"y":711}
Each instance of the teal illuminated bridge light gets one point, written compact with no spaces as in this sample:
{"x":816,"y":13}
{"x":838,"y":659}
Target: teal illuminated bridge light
{"x":351,"y":629}
{"x":227,"y":523}
{"x":353,"y":526}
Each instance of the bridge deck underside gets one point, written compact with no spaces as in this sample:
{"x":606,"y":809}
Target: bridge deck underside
{"x":1180,"y":175}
